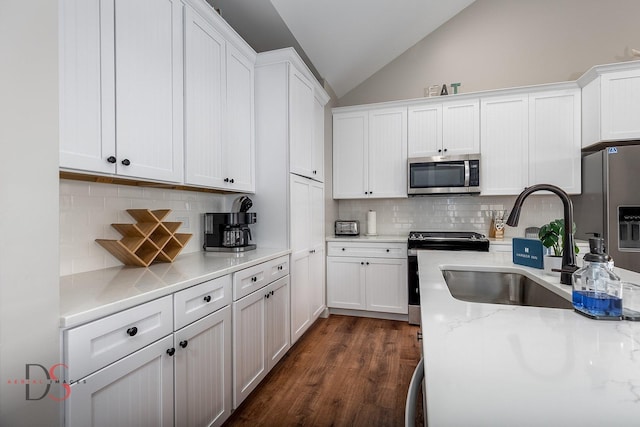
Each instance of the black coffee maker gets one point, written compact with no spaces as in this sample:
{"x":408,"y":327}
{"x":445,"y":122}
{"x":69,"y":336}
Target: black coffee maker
{"x":229,"y":231}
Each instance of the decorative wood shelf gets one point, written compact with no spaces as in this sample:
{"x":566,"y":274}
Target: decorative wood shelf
{"x":149,"y":240}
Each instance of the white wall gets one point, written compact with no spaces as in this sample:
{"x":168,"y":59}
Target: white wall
{"x":29,"y":288}
{"x":505,"y":43}
{"x":88,"y":209}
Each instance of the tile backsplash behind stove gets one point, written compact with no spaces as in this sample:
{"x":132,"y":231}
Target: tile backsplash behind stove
{"x":455,"y":213}
{"x":88,"y":209}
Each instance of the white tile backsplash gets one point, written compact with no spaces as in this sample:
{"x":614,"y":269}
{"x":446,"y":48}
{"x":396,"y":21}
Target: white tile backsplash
{"x":88,"y":209}
{"x":456,"y":213}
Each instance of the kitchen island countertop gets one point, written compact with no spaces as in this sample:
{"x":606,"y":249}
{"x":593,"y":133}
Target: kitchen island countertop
{"x":88,"y":296}
{"x":506,"y":365}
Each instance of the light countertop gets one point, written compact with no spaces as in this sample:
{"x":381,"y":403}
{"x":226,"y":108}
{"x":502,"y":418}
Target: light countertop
{"x":505,"y":365}
{"x":88,"y":296}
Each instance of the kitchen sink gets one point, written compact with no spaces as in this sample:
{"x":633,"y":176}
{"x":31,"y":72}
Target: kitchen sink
{"x":501,"y":288}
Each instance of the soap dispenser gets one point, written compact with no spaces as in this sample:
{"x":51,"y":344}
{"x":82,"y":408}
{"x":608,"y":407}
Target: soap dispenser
{"x":597,"y":291}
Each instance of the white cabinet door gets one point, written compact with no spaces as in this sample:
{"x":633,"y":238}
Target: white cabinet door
{"x":317,"y":282}
{"x":249,"y":344}
{"x":148,"y":88}
{"x":620,"y":93}
{"x":387,"y":153}
{"x":87,"y":103}
{"x":425,"y":130}
{"x":239,"y":144}
{"x":203,"y":371}
{"x":555,"y":140}
{"x":346,"y":283}
{"x":350,"y":154}
{"x":301,"y":210}
{"x":504,"y":164}
{"x":204,"y":100}
{"x":386,"y":281}
{"x":136,"y":390}
{"x":318,"y":139}
{"x":460,"y":127}
{"x":277,"y":323}
{"x":301,"y":114}
{"x":300,"y":293}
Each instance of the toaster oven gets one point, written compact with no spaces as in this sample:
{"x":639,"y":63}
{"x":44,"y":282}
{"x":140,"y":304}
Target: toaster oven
{"x":347,"y":228}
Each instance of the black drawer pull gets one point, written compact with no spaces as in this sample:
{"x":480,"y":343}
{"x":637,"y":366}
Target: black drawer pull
{"x":184,"y":343}
{"x":207,"y":298}
{"x":132,"y":331}
{"x":171,"y":351}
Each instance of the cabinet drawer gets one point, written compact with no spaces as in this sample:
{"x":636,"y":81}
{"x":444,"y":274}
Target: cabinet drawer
{"x":368,"y":250}
{"x":254,"y":278}
{"x":99,"y":343}
{"x":278,"y":268}
{"x":198,"y":301}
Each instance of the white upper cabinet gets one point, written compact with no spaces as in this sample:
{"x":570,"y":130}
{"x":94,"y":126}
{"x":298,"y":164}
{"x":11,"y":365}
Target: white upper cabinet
{"x":239,"y":121}
{"x":370,"y":153}
{"x":350,"y":150}
{"x":504,"y":163}
{"x":204,"y":102}
{"x":554,"y":139}
{"x":447,"y":128}
{"x":610,"y":103}
{"x":219,"y":85}
{"x":124,"y":114}
{"x":531,"y":138}
{"x":318,"y":137}
{"x":301,"y":116}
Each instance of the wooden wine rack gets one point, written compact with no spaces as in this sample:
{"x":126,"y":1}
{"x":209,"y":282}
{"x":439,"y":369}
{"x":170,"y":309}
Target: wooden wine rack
{"x":149,"y":240}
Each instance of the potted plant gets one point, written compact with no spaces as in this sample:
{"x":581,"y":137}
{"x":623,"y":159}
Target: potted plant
{"x":551,"y":237}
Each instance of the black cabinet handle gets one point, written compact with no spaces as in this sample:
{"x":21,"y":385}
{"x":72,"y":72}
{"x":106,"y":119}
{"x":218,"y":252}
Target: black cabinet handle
{"x":271,"y":292}
{"x":111,"y":159}
{"x":132,"y":331}
{"x":267,"y":295}
{"x":367,"y":262}
{"x":126,"y":162}
{"x":387,"y":250}
{"x":343,"y":249}
{"x":362,"y":263}
{"x":280,"y":267}
{"x":445,"y":150}
{"x":254,"y":279}
{"x":207,"y":298}
{"x":439,"y":150}
{"x":231,"y":180}
{"x":366,"y":192}
{"x":171,"y":351}
{"x":184,"y":343}
{"x":226,"y":180}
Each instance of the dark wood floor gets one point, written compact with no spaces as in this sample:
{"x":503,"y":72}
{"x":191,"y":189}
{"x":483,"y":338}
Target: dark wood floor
{"x":345,"y":371}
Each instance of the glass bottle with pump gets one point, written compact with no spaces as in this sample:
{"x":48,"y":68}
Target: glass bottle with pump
{"x":597,"y":291}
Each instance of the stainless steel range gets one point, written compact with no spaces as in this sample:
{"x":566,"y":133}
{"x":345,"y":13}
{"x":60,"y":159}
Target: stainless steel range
{"x":436,"y":241}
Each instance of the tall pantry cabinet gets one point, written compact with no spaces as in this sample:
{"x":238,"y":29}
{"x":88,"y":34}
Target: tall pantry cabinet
{"x":289,"y":176}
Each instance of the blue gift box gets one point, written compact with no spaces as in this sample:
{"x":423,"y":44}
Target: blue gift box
{"x":528,"y":252}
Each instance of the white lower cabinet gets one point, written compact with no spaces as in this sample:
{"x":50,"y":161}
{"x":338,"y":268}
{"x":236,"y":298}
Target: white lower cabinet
{"x":203,"y":371}
{"x":260,"y":335}
{"x":367,"y":276}
{"x":184,"y":377}
{"x":136,"y":390}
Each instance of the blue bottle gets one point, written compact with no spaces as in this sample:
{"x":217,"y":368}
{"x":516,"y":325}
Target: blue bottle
{"x":597,"y":291}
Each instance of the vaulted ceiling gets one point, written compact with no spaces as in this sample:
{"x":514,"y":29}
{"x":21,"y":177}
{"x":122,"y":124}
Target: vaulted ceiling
{"x":343,"y":41}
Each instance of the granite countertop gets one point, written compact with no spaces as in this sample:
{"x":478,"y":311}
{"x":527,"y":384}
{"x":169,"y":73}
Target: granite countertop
{"x":85,"y":297}
{"x":371,"y":239}
{"x":504,"y":365}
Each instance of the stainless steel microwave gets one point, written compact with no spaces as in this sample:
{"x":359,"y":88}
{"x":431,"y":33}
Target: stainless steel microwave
{"x":444,"y":175}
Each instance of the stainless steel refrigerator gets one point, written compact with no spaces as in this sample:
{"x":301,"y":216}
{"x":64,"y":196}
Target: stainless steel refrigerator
{"x":610,"y":202}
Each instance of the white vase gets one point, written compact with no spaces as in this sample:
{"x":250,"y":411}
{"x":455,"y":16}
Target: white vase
{"x":552,"y":262}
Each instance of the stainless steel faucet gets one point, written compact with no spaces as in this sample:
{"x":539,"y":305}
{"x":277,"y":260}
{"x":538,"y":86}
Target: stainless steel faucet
{"x":568,"y":255}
